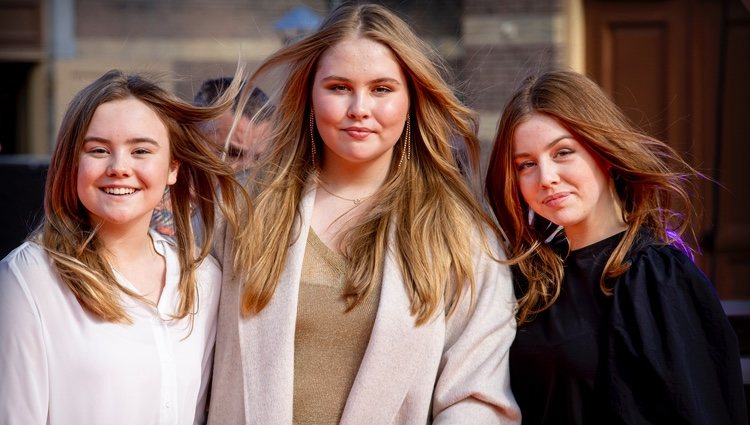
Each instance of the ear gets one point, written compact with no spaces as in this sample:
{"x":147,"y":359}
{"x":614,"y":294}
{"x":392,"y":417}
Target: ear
{"x":174,"y":166}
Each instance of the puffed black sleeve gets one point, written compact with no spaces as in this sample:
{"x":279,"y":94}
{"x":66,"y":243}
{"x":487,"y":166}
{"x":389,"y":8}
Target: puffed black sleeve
{"x":672,"y":356}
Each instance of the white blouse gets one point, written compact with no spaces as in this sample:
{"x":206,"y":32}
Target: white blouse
{"x":59,"y":364}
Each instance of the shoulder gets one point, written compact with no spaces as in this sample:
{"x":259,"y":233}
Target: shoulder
{"x":487,"y":246}
{"x":25,"y":263}
{"x":490,"y":263}
{"x":657,"y":263}
{"x":208,"y":265}
{"x":27,"y":278}
{"x":207,"y":270}
{"x":493,"y":289}
{"x":663,"y":280}
{"x":27,"y":254}
{"x":210,"y":268}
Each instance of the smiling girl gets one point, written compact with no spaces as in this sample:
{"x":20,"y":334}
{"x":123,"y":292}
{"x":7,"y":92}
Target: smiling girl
{"x":101,"y":319}
{"x":617,"y":325}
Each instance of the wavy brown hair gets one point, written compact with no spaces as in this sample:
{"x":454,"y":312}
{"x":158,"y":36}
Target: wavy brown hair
{"x":653,"y":183}
{"x":68,"y":235}
{"x":430,"y":203}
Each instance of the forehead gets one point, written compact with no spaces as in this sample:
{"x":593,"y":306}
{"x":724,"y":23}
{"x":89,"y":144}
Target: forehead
{"x":538,"y":130}
{"x":127,"y":118}
{"x":359,"y":56}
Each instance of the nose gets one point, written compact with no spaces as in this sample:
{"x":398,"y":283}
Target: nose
{"x":548,"y":175}
{"x":119,"y":165}
{"x":359,"y":106}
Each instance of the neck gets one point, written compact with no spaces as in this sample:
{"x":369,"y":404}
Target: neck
{"x":353,"y":182}
{"x":605,"y":220}
{"x":580,"y":240}
{"x":125,"y":243}
{"x":595,"y":230}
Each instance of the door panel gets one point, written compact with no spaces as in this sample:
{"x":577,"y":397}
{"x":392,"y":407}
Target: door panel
{"x":679,"y":69}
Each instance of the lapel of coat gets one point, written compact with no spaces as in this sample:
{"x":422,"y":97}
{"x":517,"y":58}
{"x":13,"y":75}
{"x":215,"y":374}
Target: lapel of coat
{"x":267,"y":339}
{"x":395,"y":352}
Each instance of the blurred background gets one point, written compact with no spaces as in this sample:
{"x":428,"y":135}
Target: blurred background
{"x":679,"y":68}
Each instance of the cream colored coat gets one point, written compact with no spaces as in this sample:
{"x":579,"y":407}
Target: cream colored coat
{"x":448,"y":371}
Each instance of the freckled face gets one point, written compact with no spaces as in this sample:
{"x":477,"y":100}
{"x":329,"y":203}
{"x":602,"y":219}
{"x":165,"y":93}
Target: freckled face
{"x":125,"y":164}
{"x":560,"y":179}
{"x":361,"y":102}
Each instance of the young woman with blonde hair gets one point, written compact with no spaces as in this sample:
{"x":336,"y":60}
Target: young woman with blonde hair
{"x":616,"y":322}
{"x":101,"y":319}
{"x":367,"y":289}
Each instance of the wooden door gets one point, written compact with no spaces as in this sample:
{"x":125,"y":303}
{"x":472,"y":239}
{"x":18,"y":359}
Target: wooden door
{"x":681,"y":70}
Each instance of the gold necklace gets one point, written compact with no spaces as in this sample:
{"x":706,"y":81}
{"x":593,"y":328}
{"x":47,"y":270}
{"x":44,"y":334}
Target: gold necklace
{"x":356,"y":201}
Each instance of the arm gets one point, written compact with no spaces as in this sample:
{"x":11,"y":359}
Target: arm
{"x":24,"y":386}
{"x":473,"y":384}
{"x":672,"y":355}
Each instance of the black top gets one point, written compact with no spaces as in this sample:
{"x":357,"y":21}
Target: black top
{"x":659,"y":351}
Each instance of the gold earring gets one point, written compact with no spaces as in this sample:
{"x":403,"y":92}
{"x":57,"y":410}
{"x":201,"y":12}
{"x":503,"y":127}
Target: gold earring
{"x":313,"y":150}
{"x":406,"y":149}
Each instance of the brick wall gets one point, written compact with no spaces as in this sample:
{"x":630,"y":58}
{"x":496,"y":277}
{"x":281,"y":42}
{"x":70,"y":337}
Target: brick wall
{"x":503,"y":40}
{"x":491,"y":44}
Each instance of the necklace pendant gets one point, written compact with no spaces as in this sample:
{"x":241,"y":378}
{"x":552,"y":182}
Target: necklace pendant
{"x":357,"y":201}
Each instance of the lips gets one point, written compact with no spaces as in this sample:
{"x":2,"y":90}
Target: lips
{"x":358,"y":132}
{"x":555,"y":199}
{"x":119,"y":190}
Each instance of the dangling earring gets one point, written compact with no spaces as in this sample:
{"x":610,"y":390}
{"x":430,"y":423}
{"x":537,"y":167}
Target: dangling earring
{"x":313,"y":150}
{"x":531,"y":217}
{"x":406,"y":149}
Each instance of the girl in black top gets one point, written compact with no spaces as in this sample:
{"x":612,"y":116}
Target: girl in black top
{"x":616,"y":322}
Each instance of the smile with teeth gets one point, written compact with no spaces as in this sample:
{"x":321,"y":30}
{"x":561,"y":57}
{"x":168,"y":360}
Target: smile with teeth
{"x":119,"y":190}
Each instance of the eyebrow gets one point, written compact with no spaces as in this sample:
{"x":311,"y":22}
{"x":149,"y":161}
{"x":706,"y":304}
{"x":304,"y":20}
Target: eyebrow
{"x":375,"y":81}
{"x":132,"y":141}
{"x":549,"y":145}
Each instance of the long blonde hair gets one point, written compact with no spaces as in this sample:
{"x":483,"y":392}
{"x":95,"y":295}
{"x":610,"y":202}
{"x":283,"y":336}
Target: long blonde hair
{"x":67,"y":233}
{"x":431,"y":201}
{"x":651,"y":180}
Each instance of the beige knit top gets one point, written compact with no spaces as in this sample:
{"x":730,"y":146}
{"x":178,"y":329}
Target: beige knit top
{"x":329,"y":342}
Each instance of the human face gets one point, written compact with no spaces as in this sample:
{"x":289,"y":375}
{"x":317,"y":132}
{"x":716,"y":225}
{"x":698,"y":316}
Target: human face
{"x":563,"y":182}
{"x":247,"y":140}
{"x":361,"y":102}
{"x":124,"y":165}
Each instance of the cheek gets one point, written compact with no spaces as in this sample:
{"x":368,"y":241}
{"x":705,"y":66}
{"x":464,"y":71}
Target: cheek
{"x":526,"y":189}
{"x":85,"y":175}
{"x":328,"y":110}
{"x":395,"y":119}
{"x":594,"y":179}
{"x":393,"y":111}
{"x":85,"y":178}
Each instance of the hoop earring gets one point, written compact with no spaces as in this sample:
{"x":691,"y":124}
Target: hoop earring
{"x":406,"y":150}
{"x":313,"y":149}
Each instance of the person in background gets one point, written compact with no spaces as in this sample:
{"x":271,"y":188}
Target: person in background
{"x":617,"y":325}
{"x":102,"y":320}
{"x":241,"y":150}
{"x":371,"y":291}
{"x":250,"y":134}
